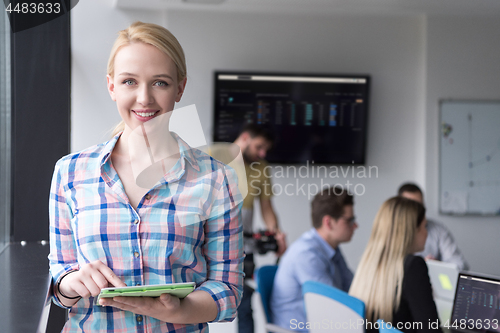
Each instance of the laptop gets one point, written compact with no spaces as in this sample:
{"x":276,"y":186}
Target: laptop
{"x":476,"y":307}
{"x":443,"y":278}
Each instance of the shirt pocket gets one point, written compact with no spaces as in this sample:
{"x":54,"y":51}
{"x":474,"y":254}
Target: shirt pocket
{"x":101,"y":234}
{"x":88,"y":233}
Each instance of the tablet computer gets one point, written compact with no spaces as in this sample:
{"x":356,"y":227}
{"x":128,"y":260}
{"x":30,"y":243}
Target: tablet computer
{"x":180,"y":290}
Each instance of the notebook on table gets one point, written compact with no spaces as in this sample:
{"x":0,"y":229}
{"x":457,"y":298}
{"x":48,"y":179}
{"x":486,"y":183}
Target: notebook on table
{"x":443,"y":278}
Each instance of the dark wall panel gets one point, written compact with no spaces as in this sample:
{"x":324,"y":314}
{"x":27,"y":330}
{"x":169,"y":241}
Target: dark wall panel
{"x":40,"y":121}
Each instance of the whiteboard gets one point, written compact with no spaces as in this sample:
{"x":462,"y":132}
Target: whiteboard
{"x":469,"y":157}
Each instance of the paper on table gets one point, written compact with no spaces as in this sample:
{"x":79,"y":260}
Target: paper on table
{"x":445,"y":282}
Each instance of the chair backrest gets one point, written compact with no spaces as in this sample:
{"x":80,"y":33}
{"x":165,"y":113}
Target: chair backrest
{"x":265,"y":279}
{"x":385,"y":328}
{"x":331,"y":309}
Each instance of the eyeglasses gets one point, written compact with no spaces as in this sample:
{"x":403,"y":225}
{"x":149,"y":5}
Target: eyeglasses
{"x":350,"y":220}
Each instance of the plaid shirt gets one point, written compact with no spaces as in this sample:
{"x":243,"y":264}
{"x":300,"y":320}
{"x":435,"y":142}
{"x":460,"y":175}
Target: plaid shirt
{"x":188,"y":228}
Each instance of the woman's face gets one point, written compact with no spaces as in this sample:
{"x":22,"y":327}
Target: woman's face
{"x":144,"y":84}
{"x":420,"y":237}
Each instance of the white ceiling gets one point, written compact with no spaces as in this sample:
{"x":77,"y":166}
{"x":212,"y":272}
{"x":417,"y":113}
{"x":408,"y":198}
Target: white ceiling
{"x":330,"y":7}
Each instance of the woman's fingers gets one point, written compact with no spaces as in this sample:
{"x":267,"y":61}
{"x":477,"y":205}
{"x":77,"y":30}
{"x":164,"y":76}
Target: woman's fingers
{"x":170,"y":302}
{"x":110,"y":276}
{"x":82,"y":289}
{"x":100,"y":280}
{"x":92,"y":286}
{"x":91,"y":278}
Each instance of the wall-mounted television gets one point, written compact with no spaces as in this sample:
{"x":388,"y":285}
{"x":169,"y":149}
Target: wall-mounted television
{"x":320,"y":118}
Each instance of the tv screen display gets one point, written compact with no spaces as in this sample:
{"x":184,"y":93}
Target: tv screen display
{"x":314,"y":118}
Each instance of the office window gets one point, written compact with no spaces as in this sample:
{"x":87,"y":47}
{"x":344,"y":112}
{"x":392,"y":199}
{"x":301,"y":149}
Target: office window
{"x":5,"y":126}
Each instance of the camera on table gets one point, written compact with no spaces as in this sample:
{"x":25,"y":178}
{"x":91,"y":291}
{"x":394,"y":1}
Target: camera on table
{"x":265,"y":241}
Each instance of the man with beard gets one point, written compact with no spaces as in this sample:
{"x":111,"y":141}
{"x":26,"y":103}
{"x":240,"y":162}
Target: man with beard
{"x":254,"y":142}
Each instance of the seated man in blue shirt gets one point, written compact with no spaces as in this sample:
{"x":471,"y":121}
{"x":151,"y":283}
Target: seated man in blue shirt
{"x":314,"y":256}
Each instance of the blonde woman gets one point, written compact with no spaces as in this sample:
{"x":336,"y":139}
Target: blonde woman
{"x":106,"y":229}
{"x":394,"y":283}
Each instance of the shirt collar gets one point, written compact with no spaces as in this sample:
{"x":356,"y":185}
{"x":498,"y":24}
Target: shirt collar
{"x":108,"y":148}
{"x":328,"y":250}
{"x":186,"y":152}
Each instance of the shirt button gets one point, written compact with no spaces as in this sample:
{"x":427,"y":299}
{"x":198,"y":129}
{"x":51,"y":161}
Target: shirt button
{"x":136,"y":221}
{"x":148,"y":197}
{"x":139,"y":319}
{"x":136,"y":254}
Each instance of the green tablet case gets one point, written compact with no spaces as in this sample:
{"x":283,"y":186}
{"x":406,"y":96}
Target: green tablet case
{"x":180,"y":290}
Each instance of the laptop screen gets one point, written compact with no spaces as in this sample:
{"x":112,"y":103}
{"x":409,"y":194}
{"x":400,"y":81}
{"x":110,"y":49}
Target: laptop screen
{"x":477,"y":304}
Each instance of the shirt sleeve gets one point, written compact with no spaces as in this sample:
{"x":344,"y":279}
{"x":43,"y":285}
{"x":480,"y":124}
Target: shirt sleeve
{"x":223,"y":249}
{"x":417,"y":290}
{"x":449,"y":251}
{"x":62,"y":256}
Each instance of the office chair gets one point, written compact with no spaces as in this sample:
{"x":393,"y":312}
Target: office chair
{"x":265,"y":278}
{"x":329,"y":309}
{"x":383,"y":328}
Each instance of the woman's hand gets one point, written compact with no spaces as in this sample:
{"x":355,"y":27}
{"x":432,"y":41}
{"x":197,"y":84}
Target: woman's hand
{"x":88,"y":281}
{"x":197,"y":307}
{"x":165,"y":308}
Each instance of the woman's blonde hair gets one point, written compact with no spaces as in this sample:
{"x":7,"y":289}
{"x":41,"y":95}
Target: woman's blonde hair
{"x":152,"y":34}
{"x":379,"y":278}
